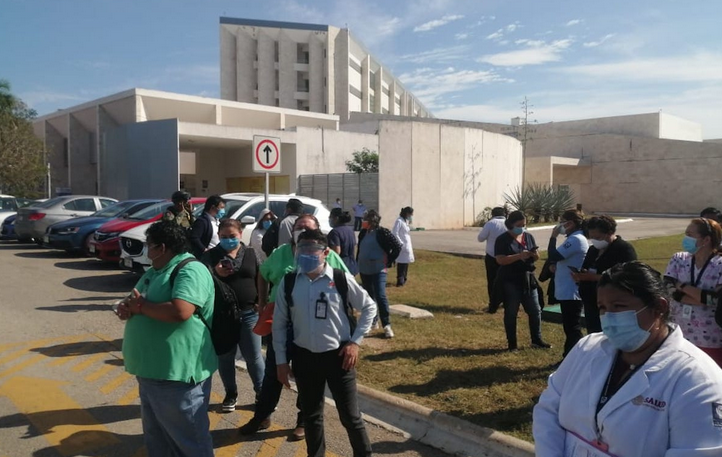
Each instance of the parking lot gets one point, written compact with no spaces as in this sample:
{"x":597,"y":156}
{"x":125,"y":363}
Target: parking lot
{"x":63,"y":388}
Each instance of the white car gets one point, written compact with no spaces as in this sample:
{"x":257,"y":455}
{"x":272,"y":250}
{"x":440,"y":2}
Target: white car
{"x":245,"y":207}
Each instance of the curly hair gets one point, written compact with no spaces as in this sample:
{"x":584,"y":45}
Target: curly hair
{"x":169,"y":234}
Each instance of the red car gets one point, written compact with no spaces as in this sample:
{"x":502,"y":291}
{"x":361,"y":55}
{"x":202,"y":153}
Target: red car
{"x":105,"y":244}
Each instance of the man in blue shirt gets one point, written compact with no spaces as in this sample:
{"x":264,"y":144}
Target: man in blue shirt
{"x":325,"y":344}
{"x":359,"y":210}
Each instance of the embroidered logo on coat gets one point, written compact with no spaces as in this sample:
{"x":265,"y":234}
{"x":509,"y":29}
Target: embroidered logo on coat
{"x":650,"y":402}
{"x":717,"y":415}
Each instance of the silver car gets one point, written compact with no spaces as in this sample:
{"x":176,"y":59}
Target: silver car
{"x":32,"y":221}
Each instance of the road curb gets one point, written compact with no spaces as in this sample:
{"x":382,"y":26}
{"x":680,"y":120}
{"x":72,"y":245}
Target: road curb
{"x":433,"y":428}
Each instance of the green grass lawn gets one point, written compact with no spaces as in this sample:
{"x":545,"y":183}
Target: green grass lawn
{"x":457,"y":362}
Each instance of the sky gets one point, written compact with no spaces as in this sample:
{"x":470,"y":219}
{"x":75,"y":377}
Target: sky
{"x":465,"y":59}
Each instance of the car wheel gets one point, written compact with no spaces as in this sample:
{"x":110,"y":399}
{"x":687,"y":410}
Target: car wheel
{"x":86,"y":246}
{"x":25,"y":240}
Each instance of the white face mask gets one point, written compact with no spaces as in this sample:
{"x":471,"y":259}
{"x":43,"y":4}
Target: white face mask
{"x":296,"y":234}
{"x":599,"y":244}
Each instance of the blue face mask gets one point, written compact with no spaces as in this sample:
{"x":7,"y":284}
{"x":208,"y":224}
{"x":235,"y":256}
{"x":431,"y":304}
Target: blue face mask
{"x":517,"y":230}
{"x":623,"y":331}
{"x":689,"y":244}
{"x":267,"y":224}
{"x":221,"y":213}
{"x":230,"y":244}
{"x":306,"y":263}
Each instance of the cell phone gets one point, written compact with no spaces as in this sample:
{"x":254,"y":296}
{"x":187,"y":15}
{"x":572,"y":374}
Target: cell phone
{"x":574,"y":269}
{"x":534,"y":249}
{"x":225,"y":263}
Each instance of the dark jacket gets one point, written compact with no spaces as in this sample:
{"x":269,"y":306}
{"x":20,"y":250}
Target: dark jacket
{"x":619,"y":251}
{"x":201,"y":234}
{"x":388,"y":242}
{"x":243,"y":280}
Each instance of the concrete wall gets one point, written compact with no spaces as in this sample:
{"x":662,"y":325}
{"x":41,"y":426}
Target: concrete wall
{"x":82,"y":159}
{"x":676,"y":128}
{"x":447,"y":174}
{"x":55,"y":155}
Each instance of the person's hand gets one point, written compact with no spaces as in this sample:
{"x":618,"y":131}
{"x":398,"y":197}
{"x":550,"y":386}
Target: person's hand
{"x":222,"y":271}
{"x":350,"y":356}
{"x":577,"y":276}
{"x":123,"y":312}
{"x":135,"y":302}
{"x":555,"y":231}
{"x":525,"y":255}
{"x":553,"y":267}
{"x":283,"y":372}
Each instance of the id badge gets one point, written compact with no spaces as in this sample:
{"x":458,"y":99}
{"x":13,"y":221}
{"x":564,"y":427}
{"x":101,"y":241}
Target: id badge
{"x":321,"y":309}
{"x":686,"y":312}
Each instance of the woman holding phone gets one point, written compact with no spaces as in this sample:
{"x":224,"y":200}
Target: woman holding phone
{"x":569,"y":257}
{"x":516,"y":251}
{"x":237,"y":265}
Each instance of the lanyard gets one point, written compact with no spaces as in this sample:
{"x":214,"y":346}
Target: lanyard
{"x":701,"y":272}
{"x":608,"y":391}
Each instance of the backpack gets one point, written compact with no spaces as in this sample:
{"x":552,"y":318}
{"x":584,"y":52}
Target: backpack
{"x":339,"y":279}
{"x":270,"y":238}
{"x":226,"y":329}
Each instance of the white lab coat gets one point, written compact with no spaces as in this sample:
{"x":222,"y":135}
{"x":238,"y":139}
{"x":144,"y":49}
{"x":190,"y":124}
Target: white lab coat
{"x":671,"y":407}
{"x":403,"y":233}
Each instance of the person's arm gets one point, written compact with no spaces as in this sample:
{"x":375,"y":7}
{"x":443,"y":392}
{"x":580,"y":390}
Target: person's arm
{"x":360,"y":301}
{"x":196,"y":234}
{"x":552,"y":252}
{"x":176,"y":310}
{"x":694,"y":414}
{"x":396,"y":231}
{"x":484,"y":232}
{"x":504,"y":255}
{"x":279,"y":332}
{"x":334,"y":241}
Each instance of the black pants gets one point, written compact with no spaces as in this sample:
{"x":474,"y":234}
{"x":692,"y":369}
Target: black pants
{"x":491,"y":268}
{"x":572,"y":323}
{"x":271,"y":388}
{"x":312,"y":372}
{"x":357,"y":224}
{"x":591,"y":317}
{"x":402,"y":273}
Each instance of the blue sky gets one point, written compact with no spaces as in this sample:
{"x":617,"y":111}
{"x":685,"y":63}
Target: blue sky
{"x":472,"y":60}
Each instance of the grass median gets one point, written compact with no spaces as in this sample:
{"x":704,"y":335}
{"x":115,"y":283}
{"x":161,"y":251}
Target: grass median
{"x":457,"y":362}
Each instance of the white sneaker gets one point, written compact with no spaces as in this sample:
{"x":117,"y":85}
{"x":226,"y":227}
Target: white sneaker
{"x":388,"y":333}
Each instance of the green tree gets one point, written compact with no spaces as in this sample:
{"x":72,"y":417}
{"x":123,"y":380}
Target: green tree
{"x":22,"y":162}
{"x":364,"y":161}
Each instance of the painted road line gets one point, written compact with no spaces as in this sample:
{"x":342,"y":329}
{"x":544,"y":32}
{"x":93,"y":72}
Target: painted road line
{"x":68,"y":427}
{"x":129,"y":397}
{"x":116,"y":382}
{"x":85,"y":364}
{"x":99,"y":373}
{"x":37,"y":358}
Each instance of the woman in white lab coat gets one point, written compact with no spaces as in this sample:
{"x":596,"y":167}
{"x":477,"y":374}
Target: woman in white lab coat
{"x":637,"y":389}
{"x":403,"y":233}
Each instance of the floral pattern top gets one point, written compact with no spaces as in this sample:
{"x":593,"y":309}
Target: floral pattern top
{"x":700,"y":328}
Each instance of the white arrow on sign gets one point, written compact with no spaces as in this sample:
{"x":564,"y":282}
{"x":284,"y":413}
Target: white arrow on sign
{"x":266,"y":154}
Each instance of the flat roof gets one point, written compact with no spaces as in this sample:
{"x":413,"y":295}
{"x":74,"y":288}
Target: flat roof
{"x":274,"y":24}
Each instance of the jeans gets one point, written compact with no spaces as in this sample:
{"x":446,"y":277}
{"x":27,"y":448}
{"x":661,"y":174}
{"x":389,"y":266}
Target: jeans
{"x":572,"y":323}
{"x":250,"y":346}
{"x":402,"y":273}
{"x":271,"y":390}
{"x":174,"y":415}
{"x":375,"y":285}
{"x":514,"y":295}
{"x":492,"y":267}
{"x":357,"y":224}
{"x":312,"y":372}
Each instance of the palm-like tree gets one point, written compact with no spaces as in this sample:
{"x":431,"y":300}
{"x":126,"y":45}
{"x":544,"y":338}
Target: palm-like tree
{"x":7,"y":99}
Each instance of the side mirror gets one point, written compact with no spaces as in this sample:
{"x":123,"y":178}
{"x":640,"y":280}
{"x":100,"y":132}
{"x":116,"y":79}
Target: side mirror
{"x":247,"y":220}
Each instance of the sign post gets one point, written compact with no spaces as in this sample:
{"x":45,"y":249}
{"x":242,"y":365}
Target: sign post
{"x":266,"y":157}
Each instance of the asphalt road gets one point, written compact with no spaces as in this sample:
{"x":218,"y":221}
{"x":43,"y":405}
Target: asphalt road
{"x":464,"y":241}
{"x":63,"y":389}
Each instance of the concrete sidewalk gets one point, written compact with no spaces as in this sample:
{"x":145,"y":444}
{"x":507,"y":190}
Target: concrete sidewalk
{"x":464,"y":242}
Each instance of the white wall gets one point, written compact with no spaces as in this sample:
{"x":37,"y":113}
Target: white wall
{"x":676,"y":128}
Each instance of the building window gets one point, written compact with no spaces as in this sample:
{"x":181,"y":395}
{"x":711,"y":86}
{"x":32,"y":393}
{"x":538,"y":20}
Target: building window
{"x":275,"y":51}
{"x":372,"y":102}
{"x":354,"y":65}
{"x":354,"y":91}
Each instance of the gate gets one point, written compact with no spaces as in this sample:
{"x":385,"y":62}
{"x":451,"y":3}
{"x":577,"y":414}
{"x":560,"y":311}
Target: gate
{"x":349,"y":187}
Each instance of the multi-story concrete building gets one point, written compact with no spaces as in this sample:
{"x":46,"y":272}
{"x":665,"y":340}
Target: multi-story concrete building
{"x":308,"y":67}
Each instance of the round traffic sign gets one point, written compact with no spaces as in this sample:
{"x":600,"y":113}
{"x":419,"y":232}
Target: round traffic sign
{"x":264,"y":151}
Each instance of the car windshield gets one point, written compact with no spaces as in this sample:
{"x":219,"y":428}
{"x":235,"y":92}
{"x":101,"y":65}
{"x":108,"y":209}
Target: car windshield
{"x":23,"y":202}
{"x":234,"y":205}
{"x":8,"y":204}
{"x":117,"y":209}
{"x":50,"y":203}
{"x":151,"y":211}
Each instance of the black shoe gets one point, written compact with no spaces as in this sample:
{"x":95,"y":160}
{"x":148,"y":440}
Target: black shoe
{"x":540,"y":345}
{"x":513,"y":348}
{"x":229,"y":403}
{"x":254,"y":425}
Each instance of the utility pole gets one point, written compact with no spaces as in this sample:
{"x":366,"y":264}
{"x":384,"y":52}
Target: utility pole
{"x":526,"y":109}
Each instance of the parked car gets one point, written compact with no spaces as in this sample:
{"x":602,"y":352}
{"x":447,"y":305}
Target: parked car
{"x":7,"y":232}
{"x":32,"y":221}
{"x":105,"y":244}
{"x":245,"y":207}
{"x":75,"y":235}
{"x":8,"y":207}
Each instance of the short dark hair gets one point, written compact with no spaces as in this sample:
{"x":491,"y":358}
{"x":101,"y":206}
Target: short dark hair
{"x":576,"y":216}
{"x":498,"y":211}
{"x":295,"y":205}
{"x":213,"y":200}
{"x":513,"y":218}
{"x":313,"y":235}
{"x":372,"y":217}
{"x":640,"y":280}
{"x":238,"y":225}
{"x":343,"y":217}
{"x":406,"y":211}
{"x":170,"y":234}
{"x":711,"y":210}
{"x":605,"y":224}
{"x":180,"y":196}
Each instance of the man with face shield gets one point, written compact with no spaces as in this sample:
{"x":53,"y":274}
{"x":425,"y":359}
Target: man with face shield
{"x":637,"y":389}
{"x":325,"y":340}
{"x":278,"y":264}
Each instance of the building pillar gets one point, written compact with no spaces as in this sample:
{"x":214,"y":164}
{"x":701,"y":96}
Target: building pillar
{"x":378,"y":91}
{"x":287,"y":75}
{"x":316,"y":75}
{"x":266,"y":69}
{"x":245,"y":71}
{"x":365,"y":85}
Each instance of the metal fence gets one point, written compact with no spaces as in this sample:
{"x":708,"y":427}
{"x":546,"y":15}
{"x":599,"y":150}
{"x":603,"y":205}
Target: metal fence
{"x":349,"y":187}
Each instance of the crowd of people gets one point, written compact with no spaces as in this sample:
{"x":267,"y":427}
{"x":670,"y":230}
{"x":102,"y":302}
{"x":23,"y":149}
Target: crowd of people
{"x":651,"y":357}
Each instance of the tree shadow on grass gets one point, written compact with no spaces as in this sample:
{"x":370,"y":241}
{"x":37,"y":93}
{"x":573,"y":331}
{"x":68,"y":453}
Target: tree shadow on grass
{"x":448,"y":309}
{"x":114,"y":284}
{"x":426,"y":354}
{"x":80,"y":348}
{"x":446,"y":380}
{"x":503,"y":420}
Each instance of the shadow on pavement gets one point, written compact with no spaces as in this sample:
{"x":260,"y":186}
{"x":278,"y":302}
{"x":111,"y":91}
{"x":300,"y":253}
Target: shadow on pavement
{"x":425,"y":354}
{"x":115,"y":362}
{"x":76,"y":308}
{"x":87,"y":265}
{"x":80,"y":348}
{"x":394,"y":448}
{"x":102,"y":298}
{"x":121,"y":283}
{"x":45,"y":254}
{"x":96,"y":443}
